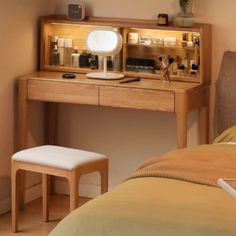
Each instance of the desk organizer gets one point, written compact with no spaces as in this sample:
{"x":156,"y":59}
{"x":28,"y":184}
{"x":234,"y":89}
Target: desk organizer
{"x":63,"y":48}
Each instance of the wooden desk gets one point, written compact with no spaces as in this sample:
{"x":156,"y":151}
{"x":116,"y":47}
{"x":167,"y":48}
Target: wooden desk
{"x":177,"y":97}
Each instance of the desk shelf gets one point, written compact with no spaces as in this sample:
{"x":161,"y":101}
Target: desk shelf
{"x":161,"y":47}
{"x":60,"y":27}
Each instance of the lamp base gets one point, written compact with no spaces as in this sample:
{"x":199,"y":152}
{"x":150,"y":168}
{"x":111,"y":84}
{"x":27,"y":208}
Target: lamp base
{"x":105,"y":76}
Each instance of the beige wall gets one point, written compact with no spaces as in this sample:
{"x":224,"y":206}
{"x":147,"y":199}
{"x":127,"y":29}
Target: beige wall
{"x":128,"y":137}
{"x":18,"y":48}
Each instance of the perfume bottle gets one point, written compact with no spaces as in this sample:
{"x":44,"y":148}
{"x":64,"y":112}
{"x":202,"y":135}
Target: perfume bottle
{"x":75,"y":57}
{"x":55,"y":56}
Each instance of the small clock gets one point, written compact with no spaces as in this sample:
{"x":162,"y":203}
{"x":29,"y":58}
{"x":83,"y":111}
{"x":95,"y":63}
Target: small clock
{"x":76,"y":10}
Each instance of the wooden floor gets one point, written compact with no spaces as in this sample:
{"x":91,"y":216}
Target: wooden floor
{"x":30,"y":220}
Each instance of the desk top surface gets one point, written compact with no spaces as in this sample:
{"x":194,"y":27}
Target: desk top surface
{"x":174,"y":86}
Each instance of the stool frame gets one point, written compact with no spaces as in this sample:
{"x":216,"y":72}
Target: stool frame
{"x":73,"y":177}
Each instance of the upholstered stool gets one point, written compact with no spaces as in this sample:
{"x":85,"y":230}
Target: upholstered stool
{"x":56,"y":161}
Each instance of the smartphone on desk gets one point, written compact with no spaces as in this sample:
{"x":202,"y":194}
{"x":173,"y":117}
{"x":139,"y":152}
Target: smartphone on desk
{"x":229,"y":185}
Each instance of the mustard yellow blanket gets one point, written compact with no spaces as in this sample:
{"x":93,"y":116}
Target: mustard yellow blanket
{"x":157,"y":206}
{"x":203,"y":164}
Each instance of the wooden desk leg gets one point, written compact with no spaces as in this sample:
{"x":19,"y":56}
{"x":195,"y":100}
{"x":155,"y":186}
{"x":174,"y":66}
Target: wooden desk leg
{"x":51,"y":134}
{"x":203,"y":125}
{"x":51,"y":124}
{"x":22,"y":133}
{"x":181,"y":111}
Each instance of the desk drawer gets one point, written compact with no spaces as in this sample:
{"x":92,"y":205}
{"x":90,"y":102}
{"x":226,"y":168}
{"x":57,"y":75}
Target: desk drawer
{"x":51,"y":91}
{"x":137,"y":98}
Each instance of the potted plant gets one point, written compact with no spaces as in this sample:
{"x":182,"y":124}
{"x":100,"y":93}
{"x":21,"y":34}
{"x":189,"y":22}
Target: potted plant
{"x":185,"y":16}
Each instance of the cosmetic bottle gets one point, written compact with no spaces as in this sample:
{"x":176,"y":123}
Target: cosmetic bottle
{"x":84,"y":59}
{"x":68,"y":52}
{"x":163,"y":19}
{"x":93,"y":62}
{"x":190,"y":40}
{"x":53,"y":42}
{"x":61,"y":49}
{"x":196,"y":40}
{"x":184,"y":40}
{"x":194,"y":71}
{"x":55,"y":56}
{"x":182,"y":70}
{"x":75,"y":57}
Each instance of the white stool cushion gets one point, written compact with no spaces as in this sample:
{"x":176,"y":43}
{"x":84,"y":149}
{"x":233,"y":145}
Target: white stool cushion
{"x":57,"y":157}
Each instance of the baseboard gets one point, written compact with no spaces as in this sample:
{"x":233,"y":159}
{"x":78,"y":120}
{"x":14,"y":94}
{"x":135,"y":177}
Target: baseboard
{"x":31,"y":194}
{"x":5,"y":205}
{"x":61,"y":187}
{"x":85,"y":190}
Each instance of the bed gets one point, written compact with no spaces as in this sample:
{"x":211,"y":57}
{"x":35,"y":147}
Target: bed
{"x":152,"y":207}
{"x":176,"y":194}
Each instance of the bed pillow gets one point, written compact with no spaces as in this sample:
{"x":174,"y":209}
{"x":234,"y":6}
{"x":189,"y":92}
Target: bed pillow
{"x":228,"y":136}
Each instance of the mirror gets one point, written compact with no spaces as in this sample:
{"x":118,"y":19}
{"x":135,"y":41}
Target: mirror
{"x":105,"y":43}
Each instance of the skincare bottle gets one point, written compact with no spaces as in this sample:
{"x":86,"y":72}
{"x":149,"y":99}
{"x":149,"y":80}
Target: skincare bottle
{"x":184,"y":40}
{"x":84,"y":59}
{"x":190,"y":40}
{"x":53,"y":42}
{"x":93,"y":62}
{"x":196,"y":40}
{"x":68,"y":52}
{"x":75,"y":57}
{"x":61,"y":49}
{"x":55,"y":56}
{"x":182,"y":70}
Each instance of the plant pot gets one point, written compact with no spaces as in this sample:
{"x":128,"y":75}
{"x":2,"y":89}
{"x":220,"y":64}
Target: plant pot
{"x":185,"y":18}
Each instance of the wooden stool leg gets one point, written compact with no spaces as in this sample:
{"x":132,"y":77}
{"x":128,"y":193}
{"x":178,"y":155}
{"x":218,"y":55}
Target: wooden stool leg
{"x":74,"y":189}
{"x":104,"y":177}
{"x":15,"y":197}
{"x":45,"y":196}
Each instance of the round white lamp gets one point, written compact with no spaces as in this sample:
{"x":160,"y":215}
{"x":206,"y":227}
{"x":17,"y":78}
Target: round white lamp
{"x":104,"y":42}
